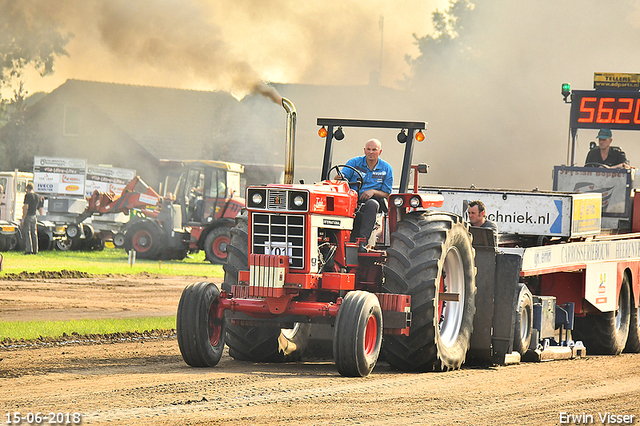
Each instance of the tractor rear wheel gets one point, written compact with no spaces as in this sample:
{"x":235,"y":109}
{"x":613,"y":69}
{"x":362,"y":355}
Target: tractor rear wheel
{"x":358,"y":334}
{"x":257,"y":343}
{"x":431,"y":259}
{"x":146,"y":239}
{"x":215,"y":244}
{"x":524,"y":321}
{"x":607,"y":333}
{"x":200,"y":331}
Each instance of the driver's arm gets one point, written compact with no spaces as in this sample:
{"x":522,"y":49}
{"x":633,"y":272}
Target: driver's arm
{"x":621,"y":166}
{"x":347,"y":173}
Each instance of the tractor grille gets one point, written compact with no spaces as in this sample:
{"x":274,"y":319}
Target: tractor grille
{"x":279,"y":234}
{"x":277,"y":200}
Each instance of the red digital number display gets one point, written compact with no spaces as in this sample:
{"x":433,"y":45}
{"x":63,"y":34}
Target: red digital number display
{"x":614,"y":110}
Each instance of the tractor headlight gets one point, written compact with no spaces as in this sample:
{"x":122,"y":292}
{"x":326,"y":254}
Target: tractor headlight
{"x":415,"y":202}
{"x":398,"y":201}
{"x":257,"y":198}
{"x":298,"y":200}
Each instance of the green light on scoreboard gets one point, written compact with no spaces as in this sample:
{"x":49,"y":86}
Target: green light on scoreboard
{"x":566,"y":90}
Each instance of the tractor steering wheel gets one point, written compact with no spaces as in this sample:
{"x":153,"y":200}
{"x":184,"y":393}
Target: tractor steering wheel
{"x":359,"y":180}
{"x":601,"y":165}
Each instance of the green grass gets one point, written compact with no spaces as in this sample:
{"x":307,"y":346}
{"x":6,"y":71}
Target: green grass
{"x":108,"y":261}
{"x":31,"y":330}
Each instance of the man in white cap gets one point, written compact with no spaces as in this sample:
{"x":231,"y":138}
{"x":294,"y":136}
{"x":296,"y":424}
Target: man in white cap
{"x":605,"y":155}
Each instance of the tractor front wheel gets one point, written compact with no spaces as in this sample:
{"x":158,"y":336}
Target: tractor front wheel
{"x":215,"y":244}
{"x":358,"y":335}
{"x":146,"y":239}
{"x":200,"y":331}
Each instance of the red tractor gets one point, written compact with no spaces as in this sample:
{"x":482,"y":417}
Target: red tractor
{"x":293,"y":264}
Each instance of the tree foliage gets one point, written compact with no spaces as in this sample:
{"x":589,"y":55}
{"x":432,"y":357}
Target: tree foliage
{"x":447,"y":45}
{"x":27,"y":37}
{"x":17,"y":145}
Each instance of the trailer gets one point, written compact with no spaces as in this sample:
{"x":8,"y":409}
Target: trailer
{"x":555,"y":285}
{"x":66,"y":184}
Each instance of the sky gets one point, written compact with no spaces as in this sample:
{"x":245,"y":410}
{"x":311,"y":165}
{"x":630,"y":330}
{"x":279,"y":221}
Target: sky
{"x":496,"y":120}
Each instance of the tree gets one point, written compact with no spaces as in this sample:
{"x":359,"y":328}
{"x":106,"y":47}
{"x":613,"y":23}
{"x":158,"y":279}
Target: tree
{"x":16,"y":140}
{"x":446,"y":47}
{"x":28,"y":37}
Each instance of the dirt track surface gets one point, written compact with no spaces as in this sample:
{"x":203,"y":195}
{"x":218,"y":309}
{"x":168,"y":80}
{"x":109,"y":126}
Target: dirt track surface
{"x":136,"y":381}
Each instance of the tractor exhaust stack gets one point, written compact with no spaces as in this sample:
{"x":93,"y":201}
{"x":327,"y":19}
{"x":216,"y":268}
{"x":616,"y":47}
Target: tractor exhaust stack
{"x":290,"y":148}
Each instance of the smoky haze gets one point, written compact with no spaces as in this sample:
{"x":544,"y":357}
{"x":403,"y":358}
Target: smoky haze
{"x":495,"y":113}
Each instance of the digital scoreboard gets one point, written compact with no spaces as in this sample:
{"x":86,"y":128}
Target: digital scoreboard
{"x":612,"y":109}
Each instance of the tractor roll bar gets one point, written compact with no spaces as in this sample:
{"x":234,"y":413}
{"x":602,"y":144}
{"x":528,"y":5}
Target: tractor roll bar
{"x":411,"y":126}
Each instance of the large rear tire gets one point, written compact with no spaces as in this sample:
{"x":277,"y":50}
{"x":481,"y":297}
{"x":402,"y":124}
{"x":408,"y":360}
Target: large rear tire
{"x":430,"y":254}
{"x":607,"y":333}
{"x":358,"y":334}
{"x":257,"y":343}
{"x":524,"y":321}
{"x":200,"y":332}
{"x":216,"y":243}
{"x":146,"y":239}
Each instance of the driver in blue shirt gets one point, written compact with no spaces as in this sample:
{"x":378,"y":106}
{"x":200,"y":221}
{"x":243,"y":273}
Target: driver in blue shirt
{"x":378,"y":180}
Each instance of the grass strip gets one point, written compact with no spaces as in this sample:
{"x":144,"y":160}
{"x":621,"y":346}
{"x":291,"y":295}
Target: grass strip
{"x":108,"y":261}
{"x":31,"y":330}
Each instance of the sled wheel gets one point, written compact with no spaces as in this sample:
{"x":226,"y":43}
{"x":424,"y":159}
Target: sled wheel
{"x":431,"y":259}
{"x":215,"y":244}
{"x":358,"y":334}
{"x":524,"y":321}
{"x":200,"y":331}
{"x":257,"y":343}
{"x":607,"y":333}
{"x":633,"y":341}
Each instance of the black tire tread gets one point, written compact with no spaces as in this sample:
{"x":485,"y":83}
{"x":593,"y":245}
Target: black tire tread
{"x":192,"y":325}
{"x":415,"y":257}
{"x":208,"y":243}
{"x":598,"y":332}
{"x":347,"y":352}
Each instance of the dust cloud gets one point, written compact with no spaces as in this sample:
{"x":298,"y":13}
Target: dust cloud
{"x":496,"y":116}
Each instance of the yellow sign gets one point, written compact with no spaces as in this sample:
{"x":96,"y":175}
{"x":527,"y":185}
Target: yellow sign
{"x":587,"y":213}
{"x":616,"y":81}
{"x":8,"y":228}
